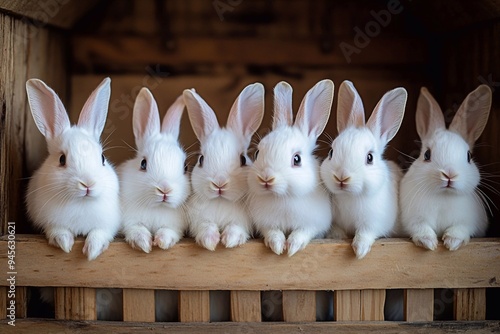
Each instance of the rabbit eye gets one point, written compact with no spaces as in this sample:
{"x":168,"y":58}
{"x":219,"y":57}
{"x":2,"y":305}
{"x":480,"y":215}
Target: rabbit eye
{"x":330,"y":154}
{"x":297,"y":160}
{"x":243,"y":160}
{"x":144,"y":164}
{"x":369,"y":159}
{"x":103,"y":159}
{"x":255,"y":155}
{"x":62,"y":160}
{"x":469,"y":156}
{"x":427,"y":155}
{"x":200,"y":160}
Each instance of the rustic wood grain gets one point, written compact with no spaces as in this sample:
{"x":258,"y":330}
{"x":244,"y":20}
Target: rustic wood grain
{"x":3,"y":302}
{"x":75,"y":304}
{"x":139,"y":305}
{"x":299,"y":306}
{"x":21,"y":302}
{"x":470,"y":304}
{"x":347,"y":305}
{"x":419,"y":304}
{"x":372,"y":304}
{"x":194,"y":306}
{"x":185,"y":267}
{"x":245,"y":306}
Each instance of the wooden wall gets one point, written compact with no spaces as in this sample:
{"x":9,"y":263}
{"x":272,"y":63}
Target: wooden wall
{"x":26,"y":51}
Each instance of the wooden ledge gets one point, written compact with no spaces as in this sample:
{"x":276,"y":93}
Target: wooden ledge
{"x":322,"y":265}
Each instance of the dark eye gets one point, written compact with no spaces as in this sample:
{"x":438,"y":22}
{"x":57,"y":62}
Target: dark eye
{"x":427,"y":155}
{"x":297,"y":160}
{"x":369,"y":159}
{"x":62,"y":160}
{"x":103,"y":159}
{"x":144,"y":164}
{"x":330,"y":154}
{"x":469,"y":156}
{"x":243,"y":160}
{"x":200,"y":160}
{"x":255,"y":155}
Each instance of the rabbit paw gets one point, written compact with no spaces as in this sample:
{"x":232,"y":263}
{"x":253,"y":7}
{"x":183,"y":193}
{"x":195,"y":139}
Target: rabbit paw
{"x":361,"y":247}
{"x":62,"y":239}
{"x":165,"y":238}
{"x":425,"y":241}
{"x":209,"y":238}
{"x":140,"y":239}
{"x":276,"y":241}
{"x":453,"y":243}
{"x":296,"y":241}
{"x":233,"y":236}
{"x":95,"y":245}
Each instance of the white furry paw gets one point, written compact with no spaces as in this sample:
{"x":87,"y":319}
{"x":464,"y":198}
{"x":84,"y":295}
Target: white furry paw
{"x":208,"y":238}
{"x":166,"y":238}
{"x":95,"y":245}
{"x":276,"y":241}
{"x":361,"y":247}
{"x":233,"y":236}
{"x":425,"y":241}
{"x":63,"y":240}
{"x":140,"y":239}
{"x":296,"y":241}
{"x":453,"y":243}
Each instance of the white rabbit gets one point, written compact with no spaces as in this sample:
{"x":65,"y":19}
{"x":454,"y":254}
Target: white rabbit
{"x":154,"y":184}
{"x":285,"y":192}
{"x":438,"y":194}
{"x":219,"y":177}
{"x":363,"y":184}
{"x":75,"y":191}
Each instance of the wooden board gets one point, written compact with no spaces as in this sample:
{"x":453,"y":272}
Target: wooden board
{"x":75,"y":304}
{"x":372,"y":305}
{"x":470,"y":304}
{"x":3,"y":302}
{"x":347,"y":305}
{"x":299,"y":306}
{"x":21,"y":302}
{"x":419,"y":305}
{"x":30,"y":326}
{"x":184,"y":266}
{"x":245,"y":306}
{"x":139,"y":305}
{"x":194,"y":306}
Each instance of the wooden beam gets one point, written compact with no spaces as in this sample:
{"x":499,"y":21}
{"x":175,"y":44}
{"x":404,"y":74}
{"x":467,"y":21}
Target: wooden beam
{"x":470,"y":304}
{"x":62,"y":14}
{"x":75,"y":304}
{"x":194,"y":306}
{"x":299,"y":306}
{"x":245,"y":306}
{"x":139,"y":305}
{"x":347,"y":305}
{"x":372,"y":305}
{"x":184,"y":266}
{"x":42,"y":326}
{"x":419,"y":305}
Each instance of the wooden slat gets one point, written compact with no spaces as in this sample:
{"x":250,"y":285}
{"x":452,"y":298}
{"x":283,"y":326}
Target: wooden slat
{"x":21,"y":302}
{"x":419,"y":305}
{"x":473,"y":266}
{"x":3,"y":302}
{"x":299,"y":306}
{"x":194,"y":306}
{"x":139,"y":305}
{"x":75,"y":304}
{"x":470,"y":304}
{"x":372,"y":305}
{"x":29,"y":326}
{"x":245,"y":306}
{"x":347,"y":305}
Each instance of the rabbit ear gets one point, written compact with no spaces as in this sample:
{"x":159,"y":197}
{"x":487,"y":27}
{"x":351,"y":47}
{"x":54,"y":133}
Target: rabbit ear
{"x":47,"y":109}
{"x":283,"y":114}
{"x":314,"y":109}
{"x":172,"y":119}
{"x":350,"y":110}
{"x":472,"y":116}
{"x":429,"y":116}
{"x":247,"y":112}
{"x":94,"y":112}
{"x":146,"y":119}
{"x":388,"y":115}
{"x":201,"y":116}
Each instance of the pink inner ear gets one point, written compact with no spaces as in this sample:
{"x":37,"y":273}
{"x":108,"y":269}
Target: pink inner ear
{"x":94,"y":112}
{"x":283,"y":112}
{"x":350,"y":109}
{"x":202,"y":117}
{"x":145,"y":115}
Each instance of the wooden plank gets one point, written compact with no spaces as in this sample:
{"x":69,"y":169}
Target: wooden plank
{"x":139,"y":305}
{"x":347,"y":305}
{"x":75,"y":304}
{"x":470,"y":304}
{"x":3,"y":302}
{"x":122,"y":52}
{"x":39,"y":326}
{"x":419,"y":305}
{"x":299,"y":306}
{"x":372,"y":304}
{"x":21,"y":302}
{"x":245,"y":306}
{"x":474,"y":266}
{"x":194,"y":306}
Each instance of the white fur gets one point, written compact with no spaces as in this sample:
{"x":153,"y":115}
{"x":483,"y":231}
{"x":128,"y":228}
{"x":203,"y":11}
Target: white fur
{"x":152,"y":200}
{"x":80,"y":198}
{"x":365,"y":196}
{"x":216,"y":209}
{"x":429,"y":208}
{"x":285,"y":199}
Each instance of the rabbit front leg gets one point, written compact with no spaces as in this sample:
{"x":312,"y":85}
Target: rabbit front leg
{"x":166,"y":237}
{"x":234,"y":235}
{"x":207,"y":235}
{"x":298,"y":240}
{"x":60,"y":237}
{"x":274,"y":239}
{"x":422,"y":234}
{"x":362,"y":242}
{"x":456,"y":236}
{"x":138,"y":236}
{"x":96,"y":243}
